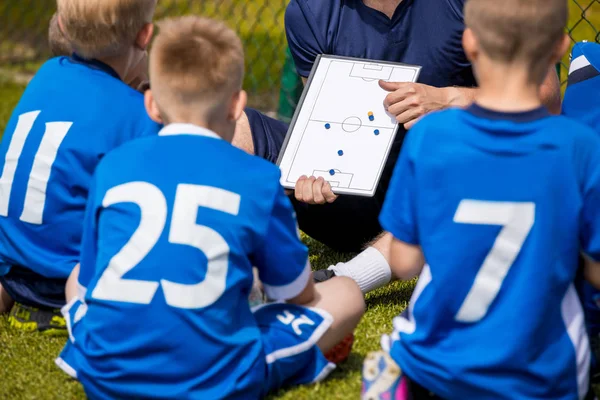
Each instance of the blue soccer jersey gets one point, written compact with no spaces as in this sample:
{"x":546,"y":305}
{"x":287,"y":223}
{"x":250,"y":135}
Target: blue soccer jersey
{"x":72,"y":113}
{"x":174,"y":225}
{"x":501,"y":205}
{"x":582,"y":96}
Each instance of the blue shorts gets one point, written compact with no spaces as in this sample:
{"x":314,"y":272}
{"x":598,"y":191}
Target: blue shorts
{"x":29,"y":288}
{"x":345,"y":225}
{"x":289,"y":334}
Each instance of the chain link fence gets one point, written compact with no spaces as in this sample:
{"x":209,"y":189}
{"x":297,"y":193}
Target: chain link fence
{"x":270,"y":71}
{"x":24,"y":44}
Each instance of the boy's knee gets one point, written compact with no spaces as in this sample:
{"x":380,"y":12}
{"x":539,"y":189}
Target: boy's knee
{"x":6,"y":302}
{"x":348,"y":294}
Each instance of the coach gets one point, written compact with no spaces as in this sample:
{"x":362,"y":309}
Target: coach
{"x":422,"y":32}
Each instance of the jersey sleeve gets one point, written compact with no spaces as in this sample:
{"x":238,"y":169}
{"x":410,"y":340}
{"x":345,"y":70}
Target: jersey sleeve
{"x":305,"y":29}
{"x":282,"y":258}
{"x":398,"y":215}
{"x":89,"y":241}
{"x":590,"y":224}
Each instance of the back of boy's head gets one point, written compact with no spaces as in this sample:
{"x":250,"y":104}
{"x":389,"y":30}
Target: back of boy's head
{"x":103,"y":28}
{"x":196,"y":68}
{"x":519,"y":31}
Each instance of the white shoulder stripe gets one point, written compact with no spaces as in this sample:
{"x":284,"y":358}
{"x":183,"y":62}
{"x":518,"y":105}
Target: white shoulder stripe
{"x":578,"y":63}
{"x":292,"y":289}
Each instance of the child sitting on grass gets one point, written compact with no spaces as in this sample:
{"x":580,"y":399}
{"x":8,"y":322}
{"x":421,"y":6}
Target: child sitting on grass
{"x":500,"y":199}
{"x":75,"y":110}
{"x":173,"y":227}
{"x":582,"y":102}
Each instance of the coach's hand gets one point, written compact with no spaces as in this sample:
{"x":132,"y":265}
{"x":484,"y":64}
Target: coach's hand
{"x":314,"y":191}
{"x":410,"y":101}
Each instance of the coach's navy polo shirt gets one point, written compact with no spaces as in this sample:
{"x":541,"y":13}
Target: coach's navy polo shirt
{"x":422,"y":32}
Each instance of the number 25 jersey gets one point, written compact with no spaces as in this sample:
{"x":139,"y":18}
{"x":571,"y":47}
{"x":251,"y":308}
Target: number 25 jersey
{"x":71,"y":114}
{"x":501,"y":204}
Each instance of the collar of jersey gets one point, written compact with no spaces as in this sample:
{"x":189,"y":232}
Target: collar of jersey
{"x":94,"y":64}
{"x":518,"y":117}
{"x":187,"y":129}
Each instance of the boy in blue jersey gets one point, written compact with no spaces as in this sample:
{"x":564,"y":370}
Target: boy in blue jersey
{"x":581,"y":102}
{"x":75,"y":110}
{"x":171,"y":236}
{"x":500,"y":199}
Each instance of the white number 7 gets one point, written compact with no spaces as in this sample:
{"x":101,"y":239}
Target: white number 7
{"x":517,"y":220}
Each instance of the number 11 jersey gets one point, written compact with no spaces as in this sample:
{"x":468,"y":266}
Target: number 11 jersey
{"x":72,"y":113}
{"x":501,"y":204}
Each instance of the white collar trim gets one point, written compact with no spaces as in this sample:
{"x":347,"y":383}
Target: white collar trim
{"x":187,"y":129}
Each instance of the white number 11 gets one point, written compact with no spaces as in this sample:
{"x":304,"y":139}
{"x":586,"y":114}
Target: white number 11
{"x":517,"y":220}
{"x":35,"y":198}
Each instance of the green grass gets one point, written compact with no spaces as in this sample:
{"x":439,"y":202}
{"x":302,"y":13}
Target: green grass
{"x":27,"y":360}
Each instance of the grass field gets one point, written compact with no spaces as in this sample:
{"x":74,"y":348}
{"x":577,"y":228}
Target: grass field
{"x":26,"y":360}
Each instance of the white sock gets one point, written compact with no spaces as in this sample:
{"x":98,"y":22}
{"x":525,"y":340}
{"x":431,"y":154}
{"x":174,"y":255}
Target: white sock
{"x":369,"y":269}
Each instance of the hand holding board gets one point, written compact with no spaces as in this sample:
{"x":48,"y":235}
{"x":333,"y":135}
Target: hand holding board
{"x":340,"y":130}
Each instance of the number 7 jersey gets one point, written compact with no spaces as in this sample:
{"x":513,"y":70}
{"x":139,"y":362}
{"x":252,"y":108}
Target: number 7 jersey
{"x":501,"y":205}
{"x":72,"y":113}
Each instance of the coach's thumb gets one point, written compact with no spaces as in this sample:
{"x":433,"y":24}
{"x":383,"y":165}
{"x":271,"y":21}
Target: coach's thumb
{"x":390,"y":86}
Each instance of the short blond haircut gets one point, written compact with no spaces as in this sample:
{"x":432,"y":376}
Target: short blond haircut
{"x":103,"y":28}
{"x":196,"y":66}
{"x":525,"y":31}
{"x":59,"y":45}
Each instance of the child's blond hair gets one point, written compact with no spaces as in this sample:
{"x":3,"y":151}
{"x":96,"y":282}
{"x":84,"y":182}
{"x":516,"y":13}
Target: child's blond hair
{"x":103,"y":28}
{"x":196,"y":66}
{"x":525,"y":31}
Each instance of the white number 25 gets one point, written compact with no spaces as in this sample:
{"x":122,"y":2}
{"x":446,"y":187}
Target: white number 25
{"x":516,"y":220}
{"x":184,"y":231}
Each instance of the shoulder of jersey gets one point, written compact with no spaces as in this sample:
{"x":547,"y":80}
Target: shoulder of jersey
{"x":125,"y":93}
{"x":577,"y":130}
{"x":255,"y":166}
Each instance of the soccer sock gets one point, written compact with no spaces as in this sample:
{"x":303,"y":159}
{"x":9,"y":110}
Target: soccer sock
{"x":369,"y":269}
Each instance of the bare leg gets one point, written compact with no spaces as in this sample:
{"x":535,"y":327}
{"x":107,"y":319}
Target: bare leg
{"x":71,"y":287}
{"x":6,"y":302}
{"x":342,"y":298}
{"x":242,"y":138}
{"x":383,"y":244}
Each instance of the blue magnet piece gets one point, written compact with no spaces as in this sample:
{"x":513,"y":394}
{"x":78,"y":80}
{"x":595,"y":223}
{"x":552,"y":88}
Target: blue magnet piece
{"x":371,"y":118}
{"x":340,"y":153}
{"x":331,"y":172}
{"x":327,"y":126}
{"x":376,"y":132}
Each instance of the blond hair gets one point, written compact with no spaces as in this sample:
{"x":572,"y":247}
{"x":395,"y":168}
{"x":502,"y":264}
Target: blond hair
{"x":103,"y":28}
{"x":59,"y":45}
{"x":196,"y":66}
{"x":524,"y":31}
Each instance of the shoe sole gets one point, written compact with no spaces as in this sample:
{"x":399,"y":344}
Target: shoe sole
{"x":382,"y":380}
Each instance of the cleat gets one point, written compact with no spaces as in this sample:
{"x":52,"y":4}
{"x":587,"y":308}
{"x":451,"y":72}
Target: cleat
{"x":341,"y":351}
{"x":31,"y":319}
{"x":323,"y":275}
{"x":382,"y":378}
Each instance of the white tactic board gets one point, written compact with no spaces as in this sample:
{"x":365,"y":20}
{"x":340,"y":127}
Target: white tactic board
{"x":340,"y":130}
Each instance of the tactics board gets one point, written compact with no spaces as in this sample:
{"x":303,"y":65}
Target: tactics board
{"x":340,"y":130}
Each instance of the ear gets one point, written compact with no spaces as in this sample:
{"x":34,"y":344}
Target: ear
{"x":470,"y":45}
{"x":238,"y":103}
{"x":152,"y":107}
{"x":61,"y":26}
{"x":144,"y":36}
{"x":561,"y":48}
